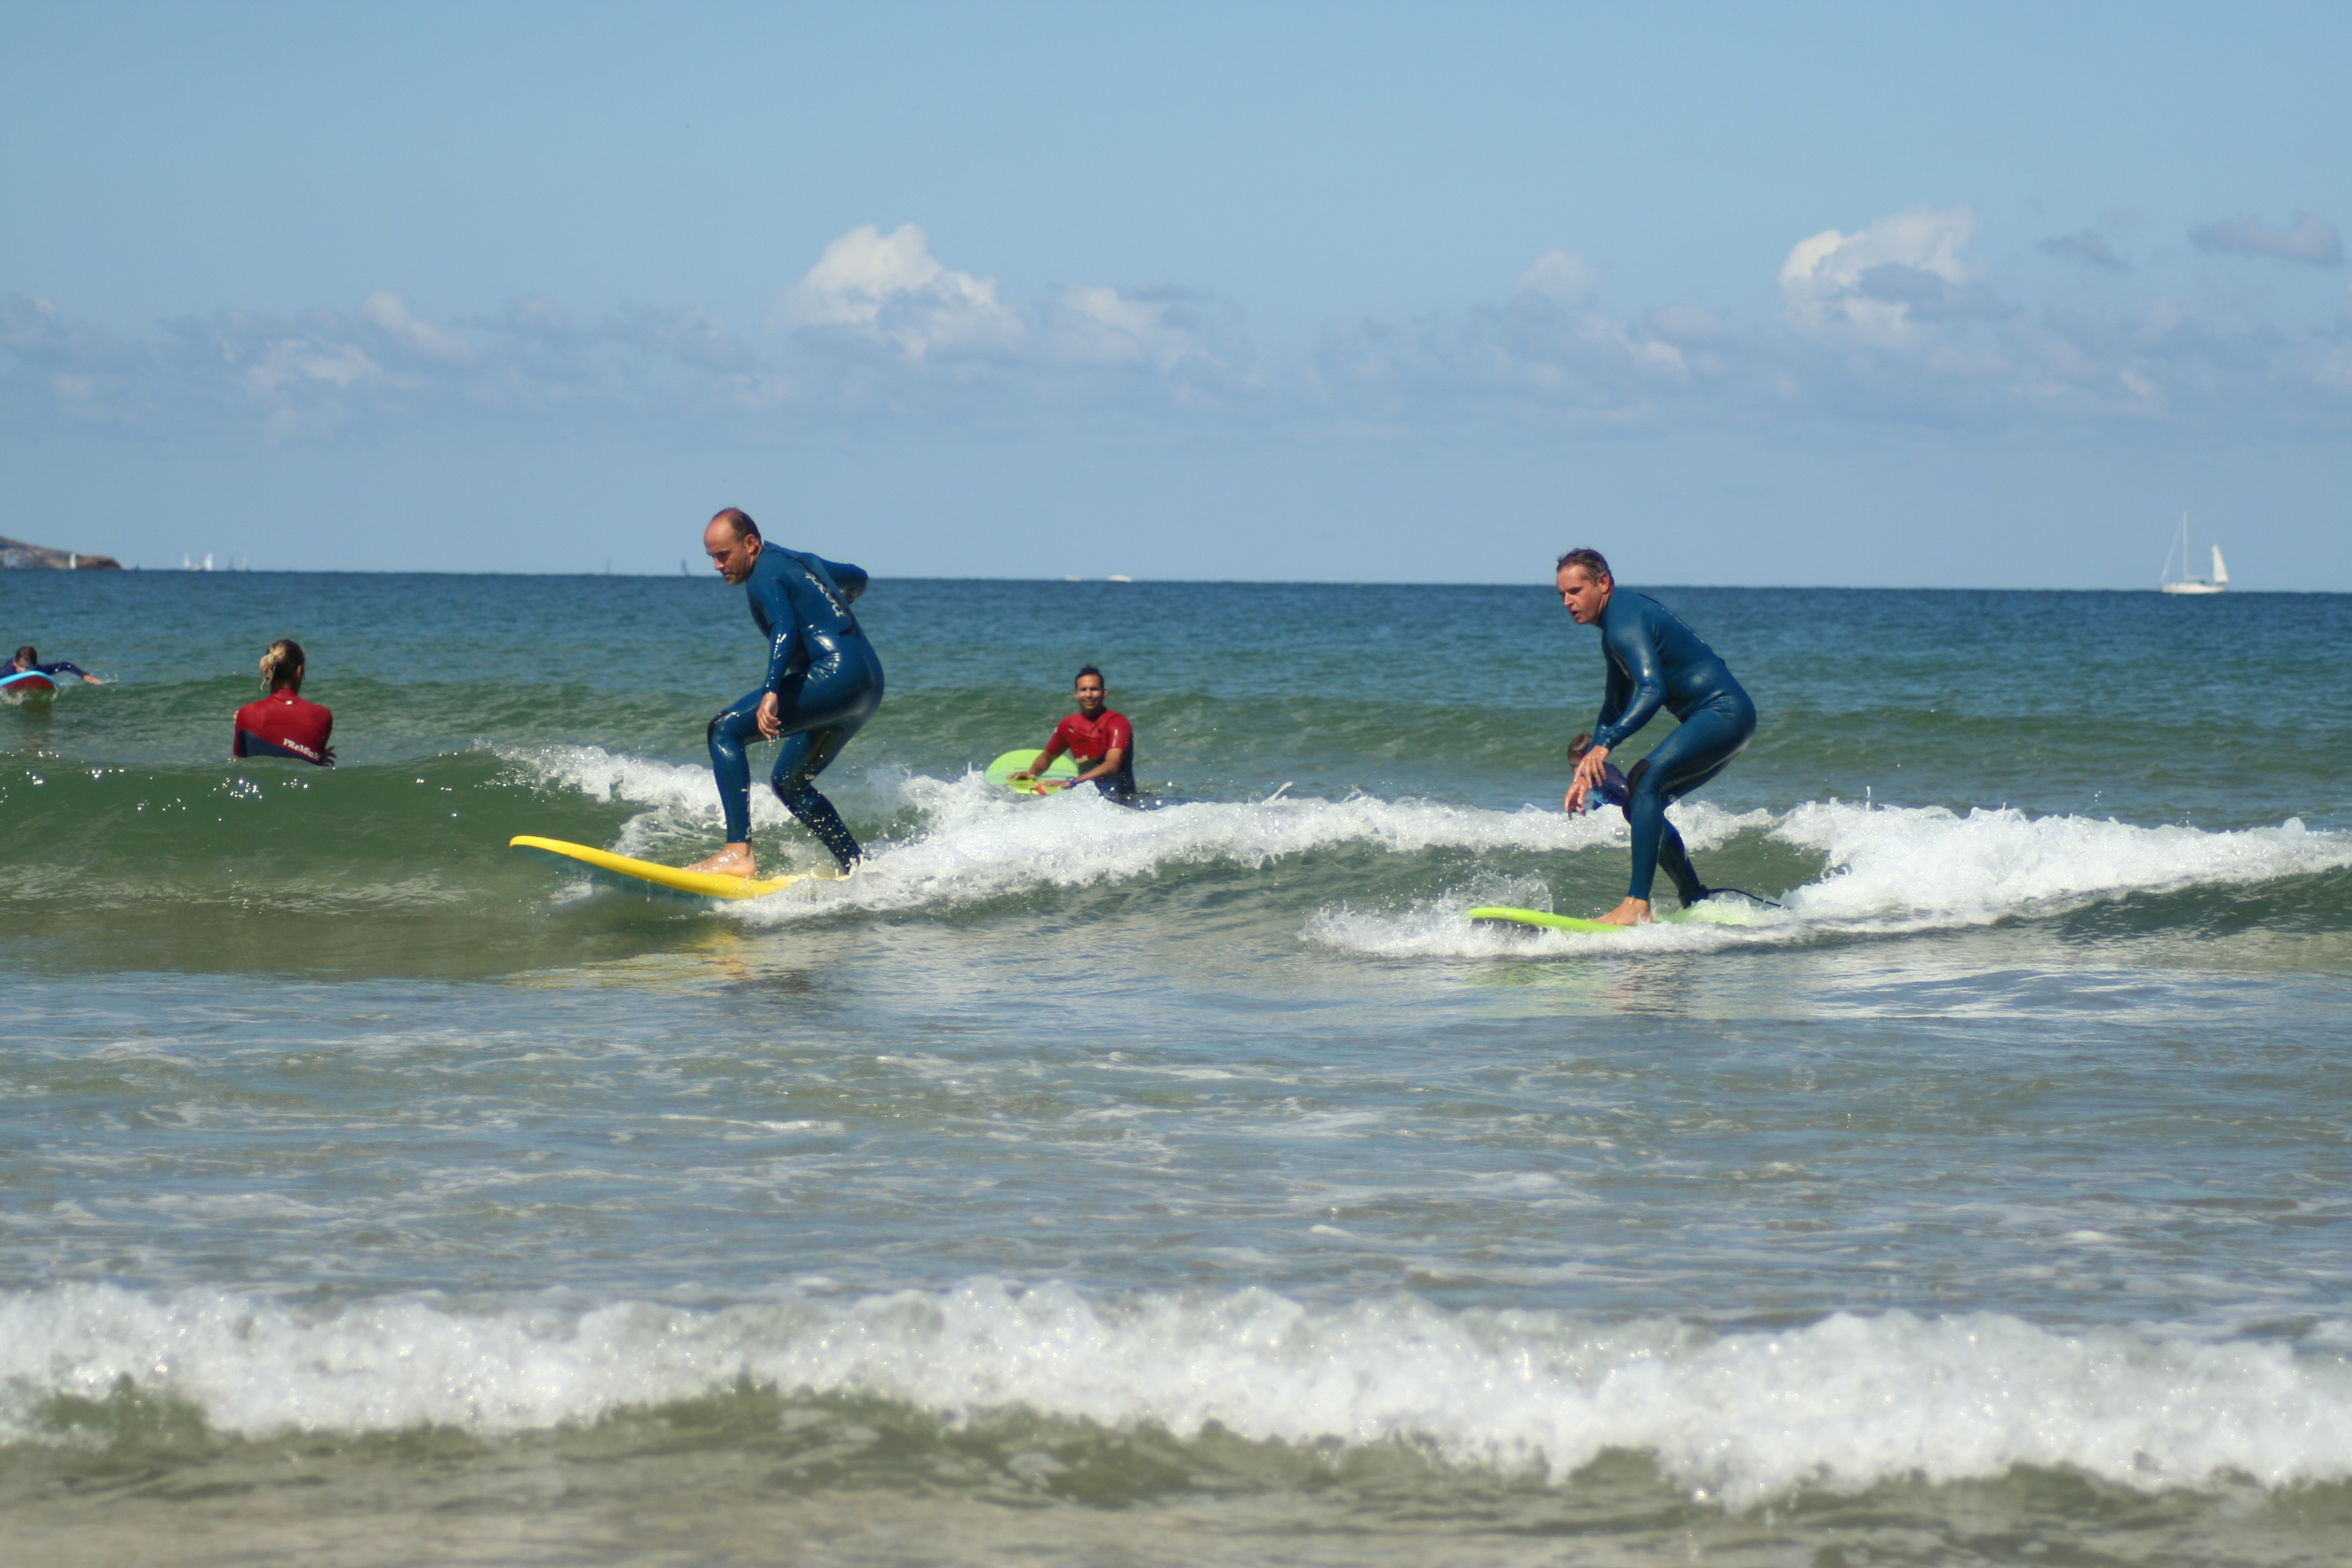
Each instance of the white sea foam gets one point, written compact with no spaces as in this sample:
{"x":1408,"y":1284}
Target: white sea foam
{"x":1884,"y":868}
{"x":675,"y":795}
{"x":978,"y":843}
{"x":1441,"y":928}
{"x":1842,"y":1404}
{"x":1885,"y":864}
{"x":1890,"y":869}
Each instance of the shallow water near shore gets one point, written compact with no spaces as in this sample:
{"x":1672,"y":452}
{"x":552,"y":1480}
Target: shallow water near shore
{"x":1185,"y":1185}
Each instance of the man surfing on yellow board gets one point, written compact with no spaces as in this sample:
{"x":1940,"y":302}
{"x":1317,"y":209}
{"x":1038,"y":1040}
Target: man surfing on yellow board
{"x":823,"y":682}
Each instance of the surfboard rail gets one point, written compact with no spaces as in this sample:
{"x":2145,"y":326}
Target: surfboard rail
{"x":28,"y":683}
{"x":675,"y":879}
{"x":1502,"y":914}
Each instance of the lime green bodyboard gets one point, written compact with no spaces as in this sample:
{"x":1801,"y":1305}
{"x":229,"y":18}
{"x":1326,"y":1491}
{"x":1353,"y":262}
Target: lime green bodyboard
{"x":1537,"y":920}
{"x":1000,"y":771}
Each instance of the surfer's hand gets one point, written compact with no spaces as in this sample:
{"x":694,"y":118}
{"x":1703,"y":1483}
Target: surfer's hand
{"x":772,"y":721}
{"x":1589,"y":772}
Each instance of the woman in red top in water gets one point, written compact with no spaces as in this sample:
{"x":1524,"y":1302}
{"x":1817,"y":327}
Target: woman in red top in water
{"x":1100,"y":741}
{"x":281,"y":724}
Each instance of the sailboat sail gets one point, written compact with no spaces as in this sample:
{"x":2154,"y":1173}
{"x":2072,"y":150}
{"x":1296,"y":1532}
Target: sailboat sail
{"x":2185,"y":583}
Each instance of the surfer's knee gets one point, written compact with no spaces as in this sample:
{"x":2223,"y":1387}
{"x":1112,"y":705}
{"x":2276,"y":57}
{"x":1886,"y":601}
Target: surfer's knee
{"x":719,"y":736}
{"x":1643,"y":791}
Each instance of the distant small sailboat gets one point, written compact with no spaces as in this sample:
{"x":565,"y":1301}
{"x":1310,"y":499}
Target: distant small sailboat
{"x":2218,"y":582}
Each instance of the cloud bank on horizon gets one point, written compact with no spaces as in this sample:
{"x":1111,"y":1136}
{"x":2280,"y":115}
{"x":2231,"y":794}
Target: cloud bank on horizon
{"x":1896,"y":324}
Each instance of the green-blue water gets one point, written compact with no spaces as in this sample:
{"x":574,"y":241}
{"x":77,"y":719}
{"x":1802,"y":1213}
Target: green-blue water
{"x":1187,"y":1185}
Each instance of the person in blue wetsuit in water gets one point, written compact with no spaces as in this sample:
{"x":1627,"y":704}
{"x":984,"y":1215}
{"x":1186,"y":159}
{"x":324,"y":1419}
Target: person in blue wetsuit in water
{"x":29,"y":658}
{"x":823,"y":681}
{"x":1655,"y":661}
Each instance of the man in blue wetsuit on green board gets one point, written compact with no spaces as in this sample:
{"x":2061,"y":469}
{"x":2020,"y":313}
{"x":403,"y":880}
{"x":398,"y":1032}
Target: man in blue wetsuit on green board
{"x":1655,"y":661}
{"x":823,"y":681}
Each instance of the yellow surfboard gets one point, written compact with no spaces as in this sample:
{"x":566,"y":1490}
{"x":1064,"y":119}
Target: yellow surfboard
{"x":704,"y":884}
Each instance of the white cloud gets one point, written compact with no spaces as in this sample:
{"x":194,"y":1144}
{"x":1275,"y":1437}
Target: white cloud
{"x":293,"y":361}
{"x":890,"y":288}
{"x":691,"y":336}
{"x":389,"y":313}
{"x":1889,"y":325}
{"x":2312,"y":240}
{"x":1543,"y":357}
{"x":1876,"y":283}
{"x":1099,"y":326}
{"x":1561,"y":276}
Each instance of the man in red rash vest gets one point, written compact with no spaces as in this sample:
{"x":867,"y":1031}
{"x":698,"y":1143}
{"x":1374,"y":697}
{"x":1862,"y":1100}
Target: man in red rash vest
{"x":1100,"y":741}
{"x":282,"y":724}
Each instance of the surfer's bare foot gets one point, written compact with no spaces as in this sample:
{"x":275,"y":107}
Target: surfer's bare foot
{"x":735,"y":860}
{"x":1631,"y":912}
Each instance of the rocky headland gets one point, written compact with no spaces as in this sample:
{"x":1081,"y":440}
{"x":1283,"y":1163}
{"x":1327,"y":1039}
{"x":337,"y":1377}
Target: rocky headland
{"x":16,"y":553}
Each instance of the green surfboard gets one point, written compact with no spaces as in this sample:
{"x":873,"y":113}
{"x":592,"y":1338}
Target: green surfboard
{"x":1000,"y":771}
{"x":1498,"y":914}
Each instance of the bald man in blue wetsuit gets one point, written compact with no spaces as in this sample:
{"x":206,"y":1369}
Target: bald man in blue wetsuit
{"x":1655,"y":661}
{"x":823,"y":681}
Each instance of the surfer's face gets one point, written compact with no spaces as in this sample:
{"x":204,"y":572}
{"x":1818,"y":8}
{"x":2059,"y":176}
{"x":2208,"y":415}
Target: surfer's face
{"x":1090,"y":695}
{"x":1581,"y":596}
{"x":733,"y":554}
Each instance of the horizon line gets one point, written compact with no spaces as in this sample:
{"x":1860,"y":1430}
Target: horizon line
{"x":1141,"y":582}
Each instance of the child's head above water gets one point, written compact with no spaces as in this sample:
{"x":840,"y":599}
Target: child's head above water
{"x":1578,"y":747}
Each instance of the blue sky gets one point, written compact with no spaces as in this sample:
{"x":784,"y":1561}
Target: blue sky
{"x":1978,"y":295}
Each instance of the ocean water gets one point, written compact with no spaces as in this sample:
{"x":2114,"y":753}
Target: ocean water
{"x":1190,"y":1185}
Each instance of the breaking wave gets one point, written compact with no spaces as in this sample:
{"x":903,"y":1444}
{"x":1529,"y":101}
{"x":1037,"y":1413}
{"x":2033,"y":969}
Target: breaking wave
{"x":1882,"y":869}
{"x":1842,"y":1405}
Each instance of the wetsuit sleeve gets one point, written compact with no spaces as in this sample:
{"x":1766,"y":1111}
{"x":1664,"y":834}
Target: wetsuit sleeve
{"x":1635,"y":695}
{"x":1615,"y":692}
{"x":850,"y":580}
{"x":773,"y":609}
{"x":1055,"y":747}
{"x":1119,"y":735}
{"x":60,"y":668}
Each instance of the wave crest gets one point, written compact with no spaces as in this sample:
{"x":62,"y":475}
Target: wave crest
{"x":1844,"y":1404}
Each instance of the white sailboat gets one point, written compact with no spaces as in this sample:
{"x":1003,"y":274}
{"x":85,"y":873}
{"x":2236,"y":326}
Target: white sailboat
{"x":2218,"y":582}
